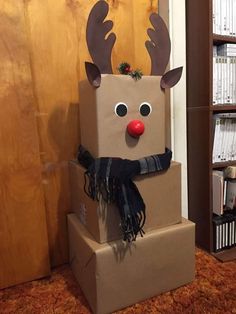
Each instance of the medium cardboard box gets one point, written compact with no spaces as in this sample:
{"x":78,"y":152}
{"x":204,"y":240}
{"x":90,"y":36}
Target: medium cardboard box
{"x":104,"y":133}
{"x":161,"y":193}
{"x":118,"y":274}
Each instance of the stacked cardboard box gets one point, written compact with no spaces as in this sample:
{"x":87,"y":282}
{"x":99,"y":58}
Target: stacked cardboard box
{"x":112,"y":273}
{"x":161,"y":194}
{"x":116,"y":274}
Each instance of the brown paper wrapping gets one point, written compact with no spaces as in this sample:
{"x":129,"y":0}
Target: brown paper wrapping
{"x":115,"y":275}
{"x":104,"y":133}
{"x":161,"y":193}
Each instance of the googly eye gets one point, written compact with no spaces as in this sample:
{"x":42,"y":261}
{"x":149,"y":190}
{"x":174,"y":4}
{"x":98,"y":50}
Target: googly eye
{"x":121,"y":109}
{"x":145,"y":109}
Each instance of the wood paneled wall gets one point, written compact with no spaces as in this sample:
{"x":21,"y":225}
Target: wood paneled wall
{"x":42,"y":50}
{"x":53,"y":41}
{"x":23,"y":232}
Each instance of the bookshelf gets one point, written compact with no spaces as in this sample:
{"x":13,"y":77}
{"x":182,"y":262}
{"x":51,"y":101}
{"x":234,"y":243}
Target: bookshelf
{"x":200,"y":111}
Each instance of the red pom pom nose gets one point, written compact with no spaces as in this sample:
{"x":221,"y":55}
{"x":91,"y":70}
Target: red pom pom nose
{"x":135,"y":128}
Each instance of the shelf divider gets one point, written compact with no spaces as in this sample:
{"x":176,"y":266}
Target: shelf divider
{"x":220,"y":39}
{"x":223,"y":164}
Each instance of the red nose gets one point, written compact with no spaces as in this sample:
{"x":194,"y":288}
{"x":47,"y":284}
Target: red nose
{"x":135,"y":128}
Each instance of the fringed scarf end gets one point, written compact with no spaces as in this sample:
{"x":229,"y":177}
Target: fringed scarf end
{"x":132,"y":226}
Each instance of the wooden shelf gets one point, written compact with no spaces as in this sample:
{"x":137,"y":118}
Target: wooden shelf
{"x":222,"y":108}
{"x":224,"y":164}
{"x":226,"y":255}
{"x":220,"y":39}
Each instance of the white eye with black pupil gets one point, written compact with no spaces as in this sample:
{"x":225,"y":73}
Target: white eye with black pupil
{"x":145,"y":109}
{"x":121,"y":109}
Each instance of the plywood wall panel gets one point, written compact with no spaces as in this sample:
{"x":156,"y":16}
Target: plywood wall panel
{"x":80,"y":10}
{"x":54,"y":61}
{"x":121,"y":13}
{"x":23,"y":233}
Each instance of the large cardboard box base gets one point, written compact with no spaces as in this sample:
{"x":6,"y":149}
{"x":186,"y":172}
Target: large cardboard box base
{"x":161,"y":193}
{"x":117,"y":274}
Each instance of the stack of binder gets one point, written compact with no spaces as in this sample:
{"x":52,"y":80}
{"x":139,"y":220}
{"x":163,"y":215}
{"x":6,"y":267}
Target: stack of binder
{"x":224,"y":231}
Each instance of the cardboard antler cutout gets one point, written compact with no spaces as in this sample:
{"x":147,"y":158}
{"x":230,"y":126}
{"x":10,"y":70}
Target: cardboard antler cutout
{"x":99,"y":47}
{"x":159,"y":50}
{"x":159,"y":45}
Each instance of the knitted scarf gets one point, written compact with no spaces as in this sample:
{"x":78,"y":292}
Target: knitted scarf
{"x":111,"y":180}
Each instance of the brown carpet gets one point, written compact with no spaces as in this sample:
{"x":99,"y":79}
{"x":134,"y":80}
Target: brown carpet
{"x":213,"y":291}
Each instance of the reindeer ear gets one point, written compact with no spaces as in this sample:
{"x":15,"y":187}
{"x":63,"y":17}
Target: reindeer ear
{"x":171,"y":78}
{"x":93,"y":74}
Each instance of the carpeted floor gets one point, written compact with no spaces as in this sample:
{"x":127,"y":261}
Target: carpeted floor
{"x":213,"y":291}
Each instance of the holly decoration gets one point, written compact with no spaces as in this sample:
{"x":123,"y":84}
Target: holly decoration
{"x":125,"y":69}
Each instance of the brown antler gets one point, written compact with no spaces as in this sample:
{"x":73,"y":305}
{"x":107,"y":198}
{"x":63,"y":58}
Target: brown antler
{"x":159,"y":45}
{"x":99,"y":47}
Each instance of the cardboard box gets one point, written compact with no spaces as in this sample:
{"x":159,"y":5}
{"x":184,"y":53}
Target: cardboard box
{"x":117,"y":274}
{"x":161,"y":193}
{"x":104,"y":133}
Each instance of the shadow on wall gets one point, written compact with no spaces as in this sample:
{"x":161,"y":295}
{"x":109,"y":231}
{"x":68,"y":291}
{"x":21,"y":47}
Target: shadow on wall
{"x":63,"y":138}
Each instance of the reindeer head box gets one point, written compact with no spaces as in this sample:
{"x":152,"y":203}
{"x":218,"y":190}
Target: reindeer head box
{"x":120,"y":116}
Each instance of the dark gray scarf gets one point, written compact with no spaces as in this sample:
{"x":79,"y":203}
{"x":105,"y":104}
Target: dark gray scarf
{"x":111,"y":179}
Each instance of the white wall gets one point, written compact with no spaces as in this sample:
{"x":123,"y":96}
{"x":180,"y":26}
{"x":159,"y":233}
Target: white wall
{"x":178,"y":93}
